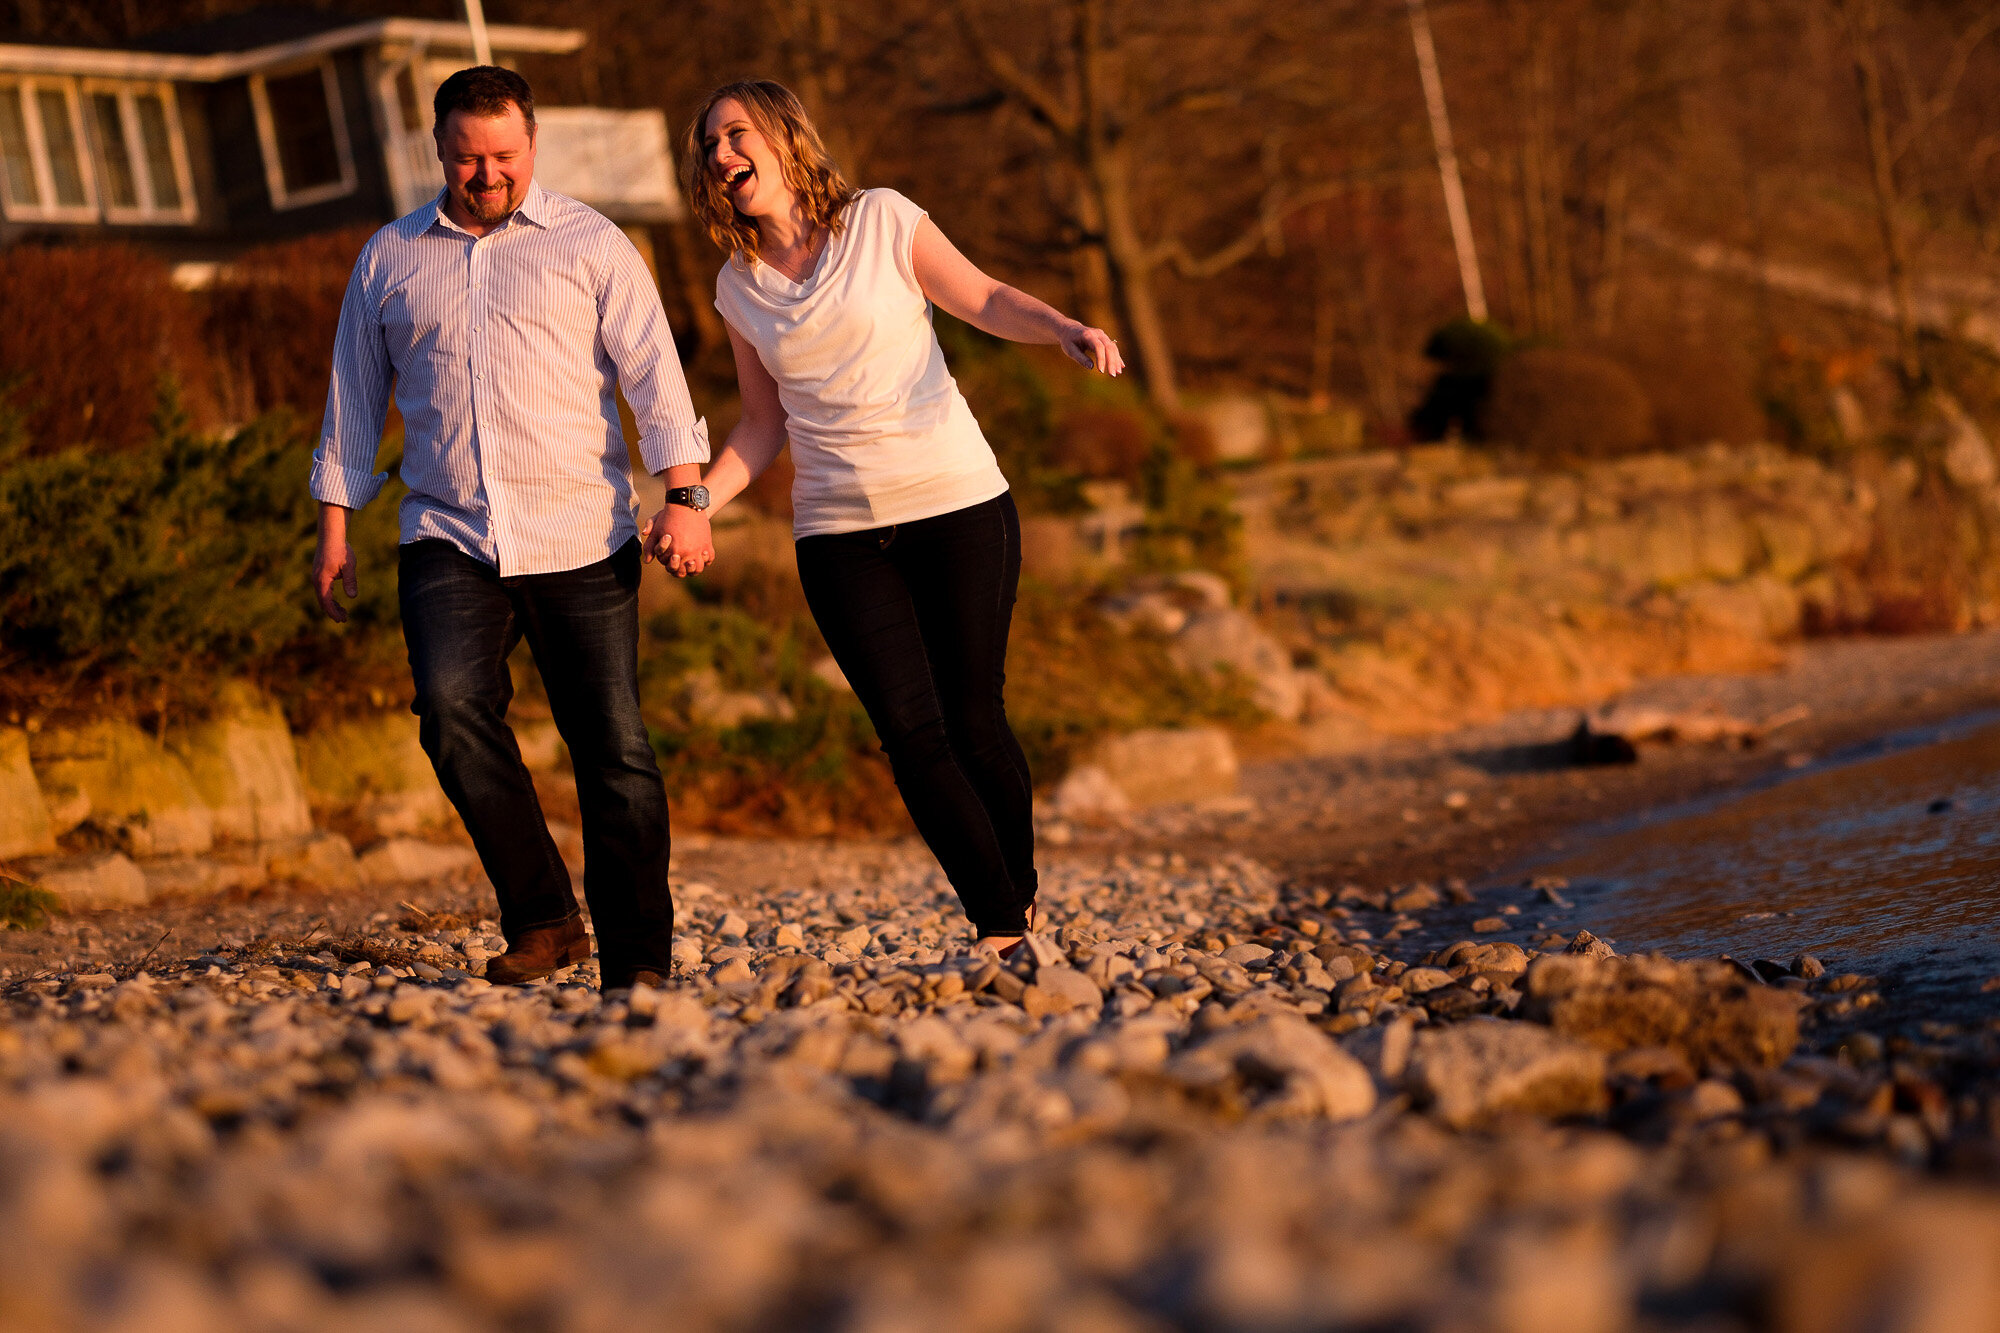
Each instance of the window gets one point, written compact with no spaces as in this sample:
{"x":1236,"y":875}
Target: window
{"x":43,"y":175}
{"x":142,"y":166}
{"x":304,"y":135}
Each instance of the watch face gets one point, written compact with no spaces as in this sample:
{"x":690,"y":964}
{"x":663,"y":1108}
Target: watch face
{"x":698,"y":496}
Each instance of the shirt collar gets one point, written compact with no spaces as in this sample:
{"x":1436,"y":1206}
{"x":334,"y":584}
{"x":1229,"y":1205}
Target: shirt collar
{"x":534,"y":208}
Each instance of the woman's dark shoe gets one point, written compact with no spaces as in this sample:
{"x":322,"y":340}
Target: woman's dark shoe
{"x":645,"y":976}
{"x":540,"y":951}
{"x":1005,"y":952}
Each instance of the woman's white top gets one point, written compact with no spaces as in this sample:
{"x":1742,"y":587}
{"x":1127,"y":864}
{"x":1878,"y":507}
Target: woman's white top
{"x":880,"y":433}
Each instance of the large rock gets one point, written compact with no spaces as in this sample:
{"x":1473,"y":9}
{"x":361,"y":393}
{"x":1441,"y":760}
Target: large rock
{"x":1088,"y":792}
{"x":105,"y":879}
{"x":1473,"y":1071}
{"x":1761,"y":607}
{"x":1710,"y":1012}
{"x":1239,"y":425}
{"x":708,"y":704}
{"x":246,"y":768}
{"x":1230,"y":639}
{"x":1968,"y":457}
{"x":137,"y":790}
{"x":1160,"y":765}
{"x":1280,"y":1065}
{"x":321,"y":860}
{"x":24,"y":819}
{"x":403,"y":860}
{"x":375,"y":766}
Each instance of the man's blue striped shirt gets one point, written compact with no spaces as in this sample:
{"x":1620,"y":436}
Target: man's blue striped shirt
{"x":505,"y":352}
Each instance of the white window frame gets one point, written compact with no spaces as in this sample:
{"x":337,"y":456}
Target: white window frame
{"x":148,"y":210}
{"x":267,"y":138}
{"x":26,"y":86}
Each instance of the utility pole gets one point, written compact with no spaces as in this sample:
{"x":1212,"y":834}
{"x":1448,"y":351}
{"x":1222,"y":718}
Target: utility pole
{"x":1454,"y":188}
{"x":475,"y":18}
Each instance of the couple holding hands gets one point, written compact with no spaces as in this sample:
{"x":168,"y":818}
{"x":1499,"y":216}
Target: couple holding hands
{"x":506,"y":317}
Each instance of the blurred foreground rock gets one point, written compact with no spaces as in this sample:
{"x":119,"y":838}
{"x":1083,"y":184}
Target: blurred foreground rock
{"x":1199,"y":1099}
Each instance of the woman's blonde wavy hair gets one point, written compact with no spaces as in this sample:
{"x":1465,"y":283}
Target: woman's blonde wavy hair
{"x":781,"y":118}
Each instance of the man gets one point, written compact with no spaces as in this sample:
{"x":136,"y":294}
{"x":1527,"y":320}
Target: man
{"x":505,"y":316}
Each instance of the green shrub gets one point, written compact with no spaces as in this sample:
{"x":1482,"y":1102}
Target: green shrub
{"x":149,"y":574}
{"x":25,"y":907}
{"x":1468,"y":353}
{"x":1557,"y":403}
{"x":818,"y":773}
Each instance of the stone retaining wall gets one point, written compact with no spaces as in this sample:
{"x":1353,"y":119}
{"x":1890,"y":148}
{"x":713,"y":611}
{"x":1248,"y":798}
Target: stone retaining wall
{"x":228,"y":803}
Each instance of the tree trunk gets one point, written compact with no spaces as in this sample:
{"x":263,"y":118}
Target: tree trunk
{"x":1863,"y":22}
{"x":1131,"y":270}
{"x":809,"y":47}
{"x":1091,"y":267}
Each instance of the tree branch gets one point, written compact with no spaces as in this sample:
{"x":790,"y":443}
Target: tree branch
{"x":1265,"y":231}
{"x":1015,"y":81}
{"x":1926,"y":113}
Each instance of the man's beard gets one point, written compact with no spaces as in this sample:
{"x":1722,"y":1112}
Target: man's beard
{"x":487,"y":208}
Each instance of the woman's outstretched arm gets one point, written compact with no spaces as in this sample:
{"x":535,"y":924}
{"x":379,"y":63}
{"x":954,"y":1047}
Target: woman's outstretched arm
{"x":955,"y":284}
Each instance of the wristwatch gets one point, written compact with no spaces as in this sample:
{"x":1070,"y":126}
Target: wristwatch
{"x":694,"y":497}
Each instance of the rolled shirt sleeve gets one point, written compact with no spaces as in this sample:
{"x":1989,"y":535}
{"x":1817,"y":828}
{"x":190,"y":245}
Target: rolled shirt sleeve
{"x":357,"y":399}
{"x":634,"y":329}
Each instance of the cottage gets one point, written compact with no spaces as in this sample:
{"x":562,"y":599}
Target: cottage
{"x":274,"y":124}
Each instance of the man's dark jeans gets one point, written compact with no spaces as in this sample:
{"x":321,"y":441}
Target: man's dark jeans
{"x":460,"y":621}
{"x":916,"y":615}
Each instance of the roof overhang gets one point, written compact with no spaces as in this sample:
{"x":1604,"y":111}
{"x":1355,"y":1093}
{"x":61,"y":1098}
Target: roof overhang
{"x":106,"y":63}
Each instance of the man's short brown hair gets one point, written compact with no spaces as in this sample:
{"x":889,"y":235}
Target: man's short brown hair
{"x":483,"y":90}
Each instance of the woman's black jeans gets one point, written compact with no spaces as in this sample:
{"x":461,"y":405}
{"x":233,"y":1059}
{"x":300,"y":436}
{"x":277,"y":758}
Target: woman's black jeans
{"x":917,"y":617}
{"x":460,"y":621}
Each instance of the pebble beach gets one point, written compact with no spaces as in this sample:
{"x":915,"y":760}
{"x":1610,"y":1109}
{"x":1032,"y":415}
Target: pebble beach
{"x":1205,"y":1096}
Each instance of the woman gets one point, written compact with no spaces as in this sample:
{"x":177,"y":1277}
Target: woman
{"x":908,"y":544}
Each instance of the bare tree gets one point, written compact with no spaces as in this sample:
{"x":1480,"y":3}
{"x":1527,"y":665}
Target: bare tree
{"x":1861,"y":25}
{"x":1087,"y":109}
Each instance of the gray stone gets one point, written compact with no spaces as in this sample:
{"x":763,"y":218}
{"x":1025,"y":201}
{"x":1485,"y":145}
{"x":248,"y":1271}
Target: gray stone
{"x":1484,"y":1067}
{"x":1239,"y":425}
{"x":104,"y":879}
{"x":1230,"y":639}
{"x":1058,"y":990}
{"x":137,"y":790}
{"x":24,"y":818}
{"x":406,"y":860}
{"x":244,"y":765}
{"x":1421,"y":980}
{"x":1280,"y":1065}
{"x":320,"y":860}
{"x":1089,"y":793}
{"x":1711,"y":1012}
{"x":1160,"y":765}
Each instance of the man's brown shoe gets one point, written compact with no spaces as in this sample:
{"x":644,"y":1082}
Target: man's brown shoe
{"x":540,"y":951}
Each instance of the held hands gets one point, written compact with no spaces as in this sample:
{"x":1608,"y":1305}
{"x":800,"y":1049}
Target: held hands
{"x":678,"y":537}
{"x":1092,"y":349}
